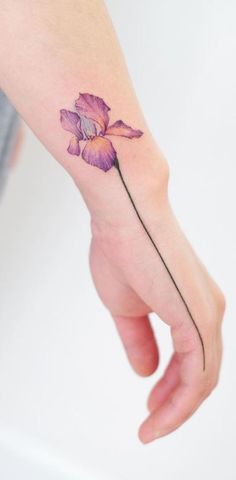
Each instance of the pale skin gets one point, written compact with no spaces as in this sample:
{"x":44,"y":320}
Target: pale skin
{"x":52,"y":51}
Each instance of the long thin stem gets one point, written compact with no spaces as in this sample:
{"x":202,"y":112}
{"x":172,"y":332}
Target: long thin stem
{"x":162,"y":259}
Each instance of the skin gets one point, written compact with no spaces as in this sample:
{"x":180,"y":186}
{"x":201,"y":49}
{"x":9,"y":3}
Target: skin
{"x":44,"y":66}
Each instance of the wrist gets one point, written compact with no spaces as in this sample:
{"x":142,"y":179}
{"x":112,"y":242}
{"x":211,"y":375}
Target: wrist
{"x":143,"y":174}
{"x":131,"y":196}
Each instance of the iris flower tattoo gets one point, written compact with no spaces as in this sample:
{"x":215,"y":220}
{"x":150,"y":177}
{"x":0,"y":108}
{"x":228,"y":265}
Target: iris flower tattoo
{"x":90,"y":124}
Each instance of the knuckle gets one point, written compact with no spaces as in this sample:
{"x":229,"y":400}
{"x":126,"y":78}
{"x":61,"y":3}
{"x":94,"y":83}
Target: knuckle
{"x":214,"y":317}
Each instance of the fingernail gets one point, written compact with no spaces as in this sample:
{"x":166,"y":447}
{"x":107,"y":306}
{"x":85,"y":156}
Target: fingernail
{"x":148,"y":435}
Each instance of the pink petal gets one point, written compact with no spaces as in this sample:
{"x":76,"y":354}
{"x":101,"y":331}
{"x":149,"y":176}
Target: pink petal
{"x":94,"y":108}
{"x":123,"y":130}
{"x":99,"y":152}
{"x":74,"y":147}
{"x":70,"y":121}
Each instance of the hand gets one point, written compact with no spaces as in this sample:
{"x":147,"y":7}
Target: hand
{"x":132,"y":281}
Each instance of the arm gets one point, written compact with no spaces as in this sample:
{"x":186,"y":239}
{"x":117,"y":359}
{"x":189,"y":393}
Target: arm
{"x":63,"y":69}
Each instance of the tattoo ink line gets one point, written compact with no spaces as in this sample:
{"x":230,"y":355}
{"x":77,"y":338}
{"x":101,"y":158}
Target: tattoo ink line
{"x":161,"y":257}
{"x":90,"y":124}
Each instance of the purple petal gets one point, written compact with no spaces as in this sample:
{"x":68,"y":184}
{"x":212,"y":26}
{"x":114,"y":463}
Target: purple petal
{"x":74,"y":147}
{"x":70,"y":121}
{"x":99,"y":152}
{"x":123,"y":130}
{"x":94,"y":108}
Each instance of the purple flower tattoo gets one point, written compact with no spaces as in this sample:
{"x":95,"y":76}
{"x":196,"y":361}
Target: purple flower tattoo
{"x":90,"y":124}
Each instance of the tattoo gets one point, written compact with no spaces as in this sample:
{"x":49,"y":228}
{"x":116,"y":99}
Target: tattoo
{"x":90,"y":124}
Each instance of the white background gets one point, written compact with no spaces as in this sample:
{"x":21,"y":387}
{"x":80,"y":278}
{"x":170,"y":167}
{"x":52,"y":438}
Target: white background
{"x":68,"y":398}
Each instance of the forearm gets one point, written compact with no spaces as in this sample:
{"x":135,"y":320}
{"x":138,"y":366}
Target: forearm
{"x":53,"y":52}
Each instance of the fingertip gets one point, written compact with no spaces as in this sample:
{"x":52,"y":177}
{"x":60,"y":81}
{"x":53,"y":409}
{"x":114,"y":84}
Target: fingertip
{"x":146,"y":434}
{"x":144,"y":367}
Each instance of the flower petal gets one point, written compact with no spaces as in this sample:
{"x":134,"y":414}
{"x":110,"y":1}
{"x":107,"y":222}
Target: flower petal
{"x":70,"y":121}
{"x":99,"y":152}
{"x":88,"y":128}
{"x":74,"y":147}
{"x":94,"y":108}
{"x":123,"y":130}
